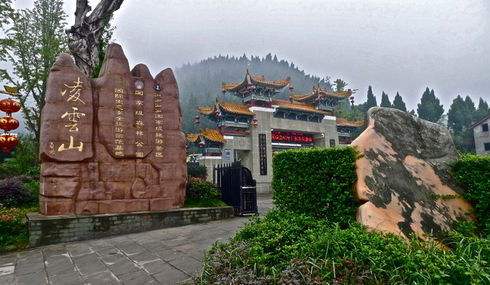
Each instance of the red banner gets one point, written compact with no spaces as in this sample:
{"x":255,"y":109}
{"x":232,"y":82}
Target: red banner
{"x":291,"y":137}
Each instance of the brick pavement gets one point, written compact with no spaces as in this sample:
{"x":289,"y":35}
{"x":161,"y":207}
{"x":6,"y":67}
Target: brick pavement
{"x":166,"y":256}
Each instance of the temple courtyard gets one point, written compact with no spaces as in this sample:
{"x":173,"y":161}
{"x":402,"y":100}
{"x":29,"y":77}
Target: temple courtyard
{"x":166,"y":256}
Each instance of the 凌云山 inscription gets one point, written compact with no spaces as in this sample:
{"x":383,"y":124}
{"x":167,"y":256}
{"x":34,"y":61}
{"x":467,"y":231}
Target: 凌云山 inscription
{"x":111,"y":144}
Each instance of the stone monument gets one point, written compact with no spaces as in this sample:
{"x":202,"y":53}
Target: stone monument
{"x":112,"y":144}
{"x":403,"y":176}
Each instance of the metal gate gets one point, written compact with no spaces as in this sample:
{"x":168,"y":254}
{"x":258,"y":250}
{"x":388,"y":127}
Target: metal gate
{"x":238,"y":188}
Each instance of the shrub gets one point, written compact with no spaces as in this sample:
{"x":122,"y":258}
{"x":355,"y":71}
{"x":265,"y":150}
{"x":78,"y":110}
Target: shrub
{"x":13,"y":228}
{"x":202,"y":189}
{"x":14,"y":193}
{"x":472,"y":172}
{"x":196,"y":170}
{"x":316,"y":182}
{"x":290,"y":248}
{"x":201,"y":193}
{"x":23,"y":161}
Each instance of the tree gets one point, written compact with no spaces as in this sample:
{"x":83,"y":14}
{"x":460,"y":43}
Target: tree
{"x":398,"y":103}
{"x":5,"y":17}
{"x":429,"y":107}
{"x":34,"y":39}
{"x":371,"y":100}
{"x":385,"y":101}
{"x":457,"y":115}
{"x":86,"y":34}
{"x":482,"y":110}
{"x":460,"y":116}
{"x":340,"y":84}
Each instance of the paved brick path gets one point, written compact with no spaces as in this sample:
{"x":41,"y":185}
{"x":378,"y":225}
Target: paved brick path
{"x":167,"y":256}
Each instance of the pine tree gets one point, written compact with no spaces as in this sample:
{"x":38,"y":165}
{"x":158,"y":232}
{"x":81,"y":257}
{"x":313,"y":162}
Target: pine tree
{"x":482,"y":110}
{"x":429,"y":107}
{"x":460,"y":117}
{"x":371,"y":100}
{"x":385,"y":101}
{"x":456,"y":115}
{"x":398,"y":103}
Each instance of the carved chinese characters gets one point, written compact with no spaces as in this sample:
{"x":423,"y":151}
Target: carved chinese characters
{"x":111,"y":144}
{"x":68,"y":114}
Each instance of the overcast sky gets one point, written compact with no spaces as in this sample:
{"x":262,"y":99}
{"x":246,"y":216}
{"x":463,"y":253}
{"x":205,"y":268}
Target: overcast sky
{"x":393,"y":45}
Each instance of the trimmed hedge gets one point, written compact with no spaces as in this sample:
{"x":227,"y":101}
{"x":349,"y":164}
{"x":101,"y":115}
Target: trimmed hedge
{"x":472,"y":172}
{"x":317,"y":182}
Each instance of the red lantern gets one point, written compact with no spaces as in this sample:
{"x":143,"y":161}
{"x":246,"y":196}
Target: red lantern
{"x":8,"y":142}
{"x":8,"y":123}
{"x":9,"y":106}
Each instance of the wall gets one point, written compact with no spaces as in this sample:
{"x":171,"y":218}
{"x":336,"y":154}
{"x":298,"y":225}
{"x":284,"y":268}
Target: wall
{"x":65,"y":228}
{"x":481,"y":137}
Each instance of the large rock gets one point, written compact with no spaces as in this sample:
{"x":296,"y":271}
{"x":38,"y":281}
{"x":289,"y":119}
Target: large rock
{"x":403,"y":181}
{"x":112,"y":144}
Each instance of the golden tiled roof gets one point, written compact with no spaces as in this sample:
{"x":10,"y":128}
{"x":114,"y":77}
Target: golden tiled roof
{"x":206,"y":110}
{"x":285,"y":104}
{"x":348,"y":123}
{"x":230,"y":107}
{"x":255,"y":80}
{"x":192,"y":137}
{"x":209,"y":134}
{"x":318,"y":92}
{"x":236,"y":108}
{"x":213,"y":135}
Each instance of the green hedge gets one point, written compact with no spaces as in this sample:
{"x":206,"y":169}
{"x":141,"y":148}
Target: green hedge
{"x":317,"y":182}
{"x":292,"y":248}
{"x":472,"y":172}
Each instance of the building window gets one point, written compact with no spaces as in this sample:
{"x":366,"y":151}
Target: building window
{"x":484,"y":127}
{"x":332,"y":143}
{"x":486,"y":146}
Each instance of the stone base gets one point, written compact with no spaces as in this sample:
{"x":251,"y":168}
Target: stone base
{"x":45,"y":230}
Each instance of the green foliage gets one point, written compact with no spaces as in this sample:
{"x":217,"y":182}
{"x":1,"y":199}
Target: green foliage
{"x":202,"y":189}
{"x":196,"y":170}
{"x":370,"y":102}
{"x":340,"y":84}
{"x":291,"y":248}
{"x":13,"y":228}
{"x":429,"y":107}
{"x":34,"y":38}
{"x":23,"y":161}
{"x":398,"y":103}
{"x":482,"y":110}
{"x":201,"y":193}
{"x":317,"y":182}
{"x":385,"y":101}
{"x":472,"y":172}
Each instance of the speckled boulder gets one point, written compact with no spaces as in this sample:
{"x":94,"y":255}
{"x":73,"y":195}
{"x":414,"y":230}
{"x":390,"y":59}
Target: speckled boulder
{"x":403,"y":180}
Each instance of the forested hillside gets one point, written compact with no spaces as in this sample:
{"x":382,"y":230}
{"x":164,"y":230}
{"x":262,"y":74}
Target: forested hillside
{"x":200,"y":83}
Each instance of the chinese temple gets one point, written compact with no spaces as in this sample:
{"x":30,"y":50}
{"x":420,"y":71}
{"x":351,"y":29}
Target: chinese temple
{"x":250,"y":131}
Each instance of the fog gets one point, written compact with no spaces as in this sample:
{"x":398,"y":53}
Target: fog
{"x":402,"y":45}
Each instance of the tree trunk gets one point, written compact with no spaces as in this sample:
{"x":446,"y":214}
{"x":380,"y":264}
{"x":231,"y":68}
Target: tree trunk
{"x":85,"y":35}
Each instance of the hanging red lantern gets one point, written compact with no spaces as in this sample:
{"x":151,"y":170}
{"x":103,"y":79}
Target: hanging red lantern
{"x":8,"y":142}
{"x":8,"y":123}
{"x":9,"y":106}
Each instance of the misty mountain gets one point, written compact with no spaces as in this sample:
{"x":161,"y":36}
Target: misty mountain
{"x":200,"y":83}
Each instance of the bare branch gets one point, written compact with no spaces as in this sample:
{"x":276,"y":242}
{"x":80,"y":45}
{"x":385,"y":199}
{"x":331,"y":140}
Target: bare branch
{"x":85,"y":34}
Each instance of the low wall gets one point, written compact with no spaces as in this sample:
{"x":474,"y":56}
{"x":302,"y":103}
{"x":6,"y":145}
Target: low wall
{"x":45,"y":230}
